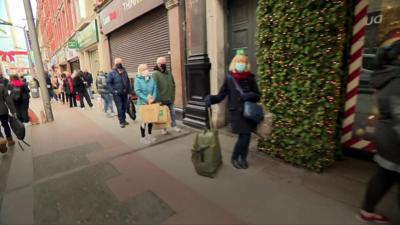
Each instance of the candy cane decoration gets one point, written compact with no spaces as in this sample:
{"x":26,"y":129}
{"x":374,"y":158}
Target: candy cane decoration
{"x":358,"y":37}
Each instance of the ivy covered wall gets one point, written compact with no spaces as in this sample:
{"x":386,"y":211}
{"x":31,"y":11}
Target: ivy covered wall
{"x":302,"y":75}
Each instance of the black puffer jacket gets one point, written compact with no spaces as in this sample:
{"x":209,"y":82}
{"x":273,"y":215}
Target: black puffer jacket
{"x":79,"y":85}
{"x":5,"y":102}
{"x":240,"y":125}
{"x":387,"y":134}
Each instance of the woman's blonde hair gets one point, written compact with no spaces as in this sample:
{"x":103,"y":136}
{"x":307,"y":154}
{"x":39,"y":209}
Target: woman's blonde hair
{"x":141,"y":68}
{"x":239,"y":59}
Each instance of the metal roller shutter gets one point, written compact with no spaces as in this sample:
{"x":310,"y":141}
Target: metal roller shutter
{"x":142,"y":40}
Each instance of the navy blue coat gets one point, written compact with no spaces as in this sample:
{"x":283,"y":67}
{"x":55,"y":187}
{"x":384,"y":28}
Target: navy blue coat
{"x":116,"y":85}
{"x":240,"y":125}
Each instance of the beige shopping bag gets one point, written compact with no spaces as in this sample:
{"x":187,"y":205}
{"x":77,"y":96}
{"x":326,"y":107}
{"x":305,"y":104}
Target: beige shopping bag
{"x":164,"y":119}
{"x":149,"y":113}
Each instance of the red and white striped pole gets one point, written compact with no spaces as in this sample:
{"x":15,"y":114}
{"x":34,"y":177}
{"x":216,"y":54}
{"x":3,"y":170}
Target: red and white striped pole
{"x":358,"y":38}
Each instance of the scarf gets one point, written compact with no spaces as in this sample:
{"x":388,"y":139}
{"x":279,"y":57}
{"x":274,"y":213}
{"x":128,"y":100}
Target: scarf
{"x":240,"y":76}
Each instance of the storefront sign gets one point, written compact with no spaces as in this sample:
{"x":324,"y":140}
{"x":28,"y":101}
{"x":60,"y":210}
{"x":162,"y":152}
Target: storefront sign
{"x":73,"y":44}
{"x":88,"y":36}
{"x":120,"y":12}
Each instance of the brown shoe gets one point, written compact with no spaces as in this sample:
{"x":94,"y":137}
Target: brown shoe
{"x":3,"y":145}
{"x":10,"y":141}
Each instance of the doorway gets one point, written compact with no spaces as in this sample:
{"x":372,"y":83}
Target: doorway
{"x":242,"y":30}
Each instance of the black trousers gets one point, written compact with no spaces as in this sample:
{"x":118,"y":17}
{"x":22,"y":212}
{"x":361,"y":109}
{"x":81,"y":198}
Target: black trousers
{"x":378,"y":186}
{"x":143,"y":128}
{"x":62,"y":97}
{"x":85,"y":95}
{"x":6,"y":125}
{"x":21,"y":108}
{"x":241,"y":149}
{"x":71,"y":99}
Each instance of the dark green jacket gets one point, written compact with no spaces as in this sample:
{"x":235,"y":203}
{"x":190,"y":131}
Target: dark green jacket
{"x":165,"y":86}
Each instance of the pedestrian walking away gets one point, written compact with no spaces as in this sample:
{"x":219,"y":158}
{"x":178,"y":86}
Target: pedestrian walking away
{"x":62,"y":95}
{"x":101,"y":84}
{"x":49,"y":87}
{"x":80,"y":88}
{"x":4,"y":82}
{"x":56,"y":86}
{"x":20,"y":96}
{"x":386,"y":80}
{"x":239,"y":75}
{"x":118,"y":84}
{"x":70,"y":90}
{"x":6,"y":105}
{"x":146,"y":92}
{"x":88,"y":80}
{"x":166,"y":89}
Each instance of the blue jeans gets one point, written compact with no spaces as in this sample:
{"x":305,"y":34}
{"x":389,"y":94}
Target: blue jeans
{"x":108,"y":104}
{"x":121,"y":101}
{"x":173,"y":114}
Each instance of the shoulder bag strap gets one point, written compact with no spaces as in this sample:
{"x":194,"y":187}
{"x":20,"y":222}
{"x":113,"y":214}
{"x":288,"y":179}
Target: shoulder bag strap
{"x":238,"y":88}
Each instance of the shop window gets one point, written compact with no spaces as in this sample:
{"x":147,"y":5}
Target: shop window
{"x":383,"y":28}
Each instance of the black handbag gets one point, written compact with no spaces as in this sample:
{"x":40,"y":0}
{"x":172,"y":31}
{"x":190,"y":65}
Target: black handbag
{"x":252,"y":111}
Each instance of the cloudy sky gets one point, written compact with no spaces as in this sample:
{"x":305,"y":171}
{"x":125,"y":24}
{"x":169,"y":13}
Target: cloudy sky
{"x":17,"y":16}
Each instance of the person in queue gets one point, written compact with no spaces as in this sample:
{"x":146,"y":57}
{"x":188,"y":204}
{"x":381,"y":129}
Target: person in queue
{"x":146,"y":91}
{"x":166,"y":89}
{"x":118,"y":84}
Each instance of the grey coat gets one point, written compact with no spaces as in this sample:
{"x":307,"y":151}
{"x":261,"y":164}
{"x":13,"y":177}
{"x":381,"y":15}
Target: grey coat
{"x":387,"y":134}
{"x":240,"y":125}
{"x":101,"y":84}
{"x":5,"y":102}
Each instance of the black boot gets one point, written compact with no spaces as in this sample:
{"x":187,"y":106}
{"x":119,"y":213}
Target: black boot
{"x":244,"y":164}
{"x":236,"y":164}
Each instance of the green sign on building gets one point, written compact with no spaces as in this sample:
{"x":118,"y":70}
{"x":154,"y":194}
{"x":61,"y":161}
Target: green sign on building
{"x":73,"y":44}
{"x":88,"y":36}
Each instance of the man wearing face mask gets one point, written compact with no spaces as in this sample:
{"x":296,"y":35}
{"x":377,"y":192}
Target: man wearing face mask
{"x":165,"y":84}
{"x":119,"y":86}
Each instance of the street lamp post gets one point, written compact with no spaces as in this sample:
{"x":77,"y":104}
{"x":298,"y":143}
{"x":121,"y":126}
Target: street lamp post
{"x":38,"y":61}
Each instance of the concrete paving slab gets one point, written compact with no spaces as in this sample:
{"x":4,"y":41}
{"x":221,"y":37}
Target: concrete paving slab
{"x":148,"y":208}
{"x":17,"y":207}
{"x":80,"y":198}
{"x":64,"y":160}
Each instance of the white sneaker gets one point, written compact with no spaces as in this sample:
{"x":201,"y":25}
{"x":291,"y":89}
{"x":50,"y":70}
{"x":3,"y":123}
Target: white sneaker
{"x":177,"y":129}
{"x":83,"y":109}
{"x":144,"y":141}
{"x":108,"y":115}
{"x":164,"y":132}
{"x":151,"y":138}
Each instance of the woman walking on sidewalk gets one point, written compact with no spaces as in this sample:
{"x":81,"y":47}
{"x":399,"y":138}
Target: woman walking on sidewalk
{"x":386,"y":80}
{"x":239,"y":75}
{"x":146,"y":91}
{"x":80,"y":87}
{"x":20,"y":96}
{"x":6,"y":105}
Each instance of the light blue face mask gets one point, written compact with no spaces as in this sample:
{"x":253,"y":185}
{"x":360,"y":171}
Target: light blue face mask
{"x":240,"y":67}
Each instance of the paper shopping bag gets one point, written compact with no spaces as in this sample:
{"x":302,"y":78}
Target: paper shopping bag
{"x":149,"y":113}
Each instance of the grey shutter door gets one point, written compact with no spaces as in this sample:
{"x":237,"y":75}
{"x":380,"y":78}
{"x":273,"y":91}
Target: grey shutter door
{"x":142,"y":40}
